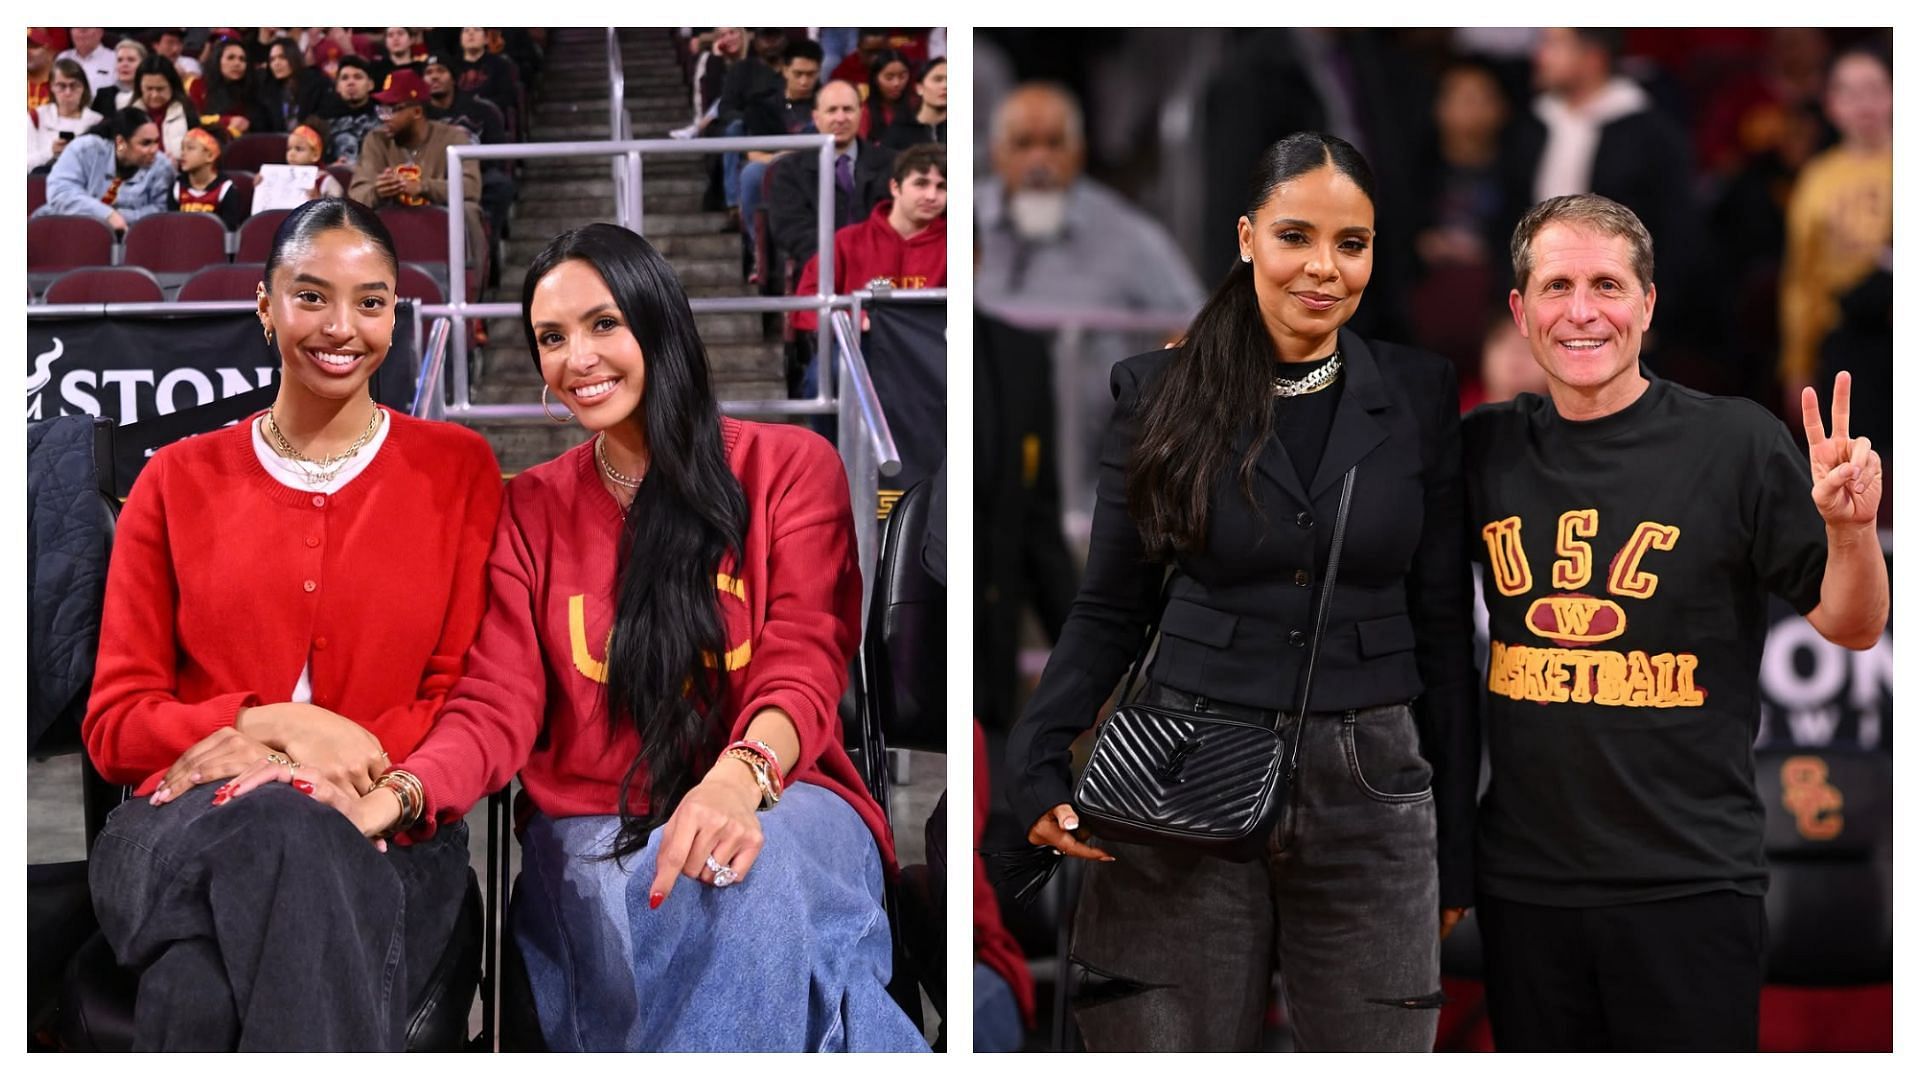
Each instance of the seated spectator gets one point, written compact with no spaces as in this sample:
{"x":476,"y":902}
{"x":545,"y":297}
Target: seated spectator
{"x":350,"y":111}
{"x":404,"y":161}
{"x":327,"y":50}
{"x":399,"y":56}
{"x":52,"y":127}
{"x":482,"y":121}
{"x":201,"y":188}
{"x":233,"y":95}
{"x":170,"y":43}
{"x":928,"y":123}
{"x":858,"y":64}
{"x":166,"y":102}
{"x":791,"y":113}
{"x":127,"y":57}
{"x":886,"y":95}
{"x":861,"y":173}
{"x":749,"y":80}
{"x":304,"y":145}
{"x":292,"y":91}
{"x":485,"y":74}
{"x":710,"y":77}
{"x":94,"y":58}
{"x":903,"y":242}
{"x":40,"y":67}
{"x":115,"y":174}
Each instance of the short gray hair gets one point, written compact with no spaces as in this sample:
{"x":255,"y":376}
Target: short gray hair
{"x":1596,"y":212}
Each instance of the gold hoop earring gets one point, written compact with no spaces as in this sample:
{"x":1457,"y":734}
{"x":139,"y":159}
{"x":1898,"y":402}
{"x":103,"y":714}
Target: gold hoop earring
{"x":564,"y":417}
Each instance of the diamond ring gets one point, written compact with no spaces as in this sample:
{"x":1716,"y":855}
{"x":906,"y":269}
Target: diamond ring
{"x":723,"y":876}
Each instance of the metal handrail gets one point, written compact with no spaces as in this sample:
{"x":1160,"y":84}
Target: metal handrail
{"x":433,"y":358}
{"x":631,"y":149}
{"x":873,"y":419}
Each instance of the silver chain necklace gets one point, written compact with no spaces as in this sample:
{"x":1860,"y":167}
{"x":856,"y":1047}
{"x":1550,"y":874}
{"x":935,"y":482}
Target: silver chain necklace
{"x":1319,"y":379}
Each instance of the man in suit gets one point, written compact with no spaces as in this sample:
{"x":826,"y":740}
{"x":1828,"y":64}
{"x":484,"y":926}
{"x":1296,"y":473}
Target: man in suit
{"x":862,"y":172}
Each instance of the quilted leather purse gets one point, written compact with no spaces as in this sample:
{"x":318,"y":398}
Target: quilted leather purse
{"x":1194,"y":779}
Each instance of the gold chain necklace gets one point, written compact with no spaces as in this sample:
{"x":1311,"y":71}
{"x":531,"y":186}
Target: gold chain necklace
{"x":320,"y":473}
{"x":613,"y":474}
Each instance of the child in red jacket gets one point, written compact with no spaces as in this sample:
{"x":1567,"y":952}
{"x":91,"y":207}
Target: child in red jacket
{"x":903,"y":241}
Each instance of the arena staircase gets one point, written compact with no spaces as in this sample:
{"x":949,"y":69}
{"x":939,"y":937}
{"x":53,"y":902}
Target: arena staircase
{"x":558,"y":194}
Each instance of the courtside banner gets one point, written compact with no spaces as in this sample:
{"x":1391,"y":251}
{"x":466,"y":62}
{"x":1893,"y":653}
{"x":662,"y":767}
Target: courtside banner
{"x":164,"y":377}
{"x":906,"y":351}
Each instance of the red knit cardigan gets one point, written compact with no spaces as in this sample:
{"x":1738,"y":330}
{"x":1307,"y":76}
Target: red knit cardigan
{"x":533,"y":699}
{"x":224,"y":583}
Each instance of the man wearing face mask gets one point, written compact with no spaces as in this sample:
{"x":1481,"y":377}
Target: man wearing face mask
{"x":1053,"y":240}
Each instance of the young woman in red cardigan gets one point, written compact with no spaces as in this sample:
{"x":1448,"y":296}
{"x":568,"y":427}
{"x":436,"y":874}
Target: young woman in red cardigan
{"x":296,"y":592}
{"x":674,"y":605}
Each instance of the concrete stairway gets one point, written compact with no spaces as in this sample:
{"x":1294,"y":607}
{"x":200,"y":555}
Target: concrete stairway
{"x":562,"y":193}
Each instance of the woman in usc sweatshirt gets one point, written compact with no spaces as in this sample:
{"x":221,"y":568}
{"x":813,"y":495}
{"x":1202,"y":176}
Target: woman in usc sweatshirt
{"x":292,"y":595}
{"x":673,"y":607}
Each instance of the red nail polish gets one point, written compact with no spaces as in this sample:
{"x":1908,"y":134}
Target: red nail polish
{"x":304,"y":787}
{"x":653,"y":901}
{"x":221,"y":796}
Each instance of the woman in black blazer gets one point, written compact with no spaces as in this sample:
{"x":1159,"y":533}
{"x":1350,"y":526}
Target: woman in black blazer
{"x":1223,"y":468}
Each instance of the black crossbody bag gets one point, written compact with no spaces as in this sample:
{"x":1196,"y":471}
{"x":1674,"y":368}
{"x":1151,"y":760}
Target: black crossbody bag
{"x":1192,"y":779}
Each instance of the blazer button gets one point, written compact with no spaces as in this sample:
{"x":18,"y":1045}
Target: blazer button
{"x":319,"y":643}
{"x":1297,"y":639}
{"x":1302,"y":578}
{"x":313,"y":541}
{"x":1303,"y":519}
{"x":310,"y":586}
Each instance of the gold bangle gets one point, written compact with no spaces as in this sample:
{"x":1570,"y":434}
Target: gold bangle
{"x":405,"y":787}
{"x":769,"y":795}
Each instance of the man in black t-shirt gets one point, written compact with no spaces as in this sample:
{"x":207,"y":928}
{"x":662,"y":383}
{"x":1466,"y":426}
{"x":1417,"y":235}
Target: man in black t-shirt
{"x":1630,"y":530}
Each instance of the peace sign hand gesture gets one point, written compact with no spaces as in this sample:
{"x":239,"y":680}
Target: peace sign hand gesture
{"x":1846,"y":471}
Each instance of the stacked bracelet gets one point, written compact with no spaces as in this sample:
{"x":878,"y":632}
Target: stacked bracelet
{"x":413,"y":799}
{"x":765,"y":773}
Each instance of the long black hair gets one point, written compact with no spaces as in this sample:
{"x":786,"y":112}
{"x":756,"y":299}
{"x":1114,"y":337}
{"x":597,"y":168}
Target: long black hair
{"x":122,"y":123}
{"x":224,"y":95}
{"x":666,"y":663}
{"x":876,"y":103}
{"x":312,"y":218}
{"x":1219,"y":383}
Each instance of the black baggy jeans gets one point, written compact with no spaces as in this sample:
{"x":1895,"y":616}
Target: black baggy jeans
{"x":1181,"y":948}
{"x":270,"y":923}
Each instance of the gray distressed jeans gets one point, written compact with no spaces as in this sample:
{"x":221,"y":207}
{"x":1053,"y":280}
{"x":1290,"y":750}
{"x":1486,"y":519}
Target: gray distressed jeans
{"x":1179,"y":949}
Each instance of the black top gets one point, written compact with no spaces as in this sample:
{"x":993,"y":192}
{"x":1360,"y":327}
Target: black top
{"x":1627,"y":610}
{"x":1303,"y":423}
{"x":908,"y":130}
{"x":1239,"y":615}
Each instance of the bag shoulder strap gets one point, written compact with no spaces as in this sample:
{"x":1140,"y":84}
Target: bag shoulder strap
{"x":1326,"y":603}
{"x":1146,"y":641}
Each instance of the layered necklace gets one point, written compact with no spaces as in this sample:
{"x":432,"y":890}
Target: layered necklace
{"x":318,"y":473}
{"x":631,"y":483}
{"x":1321,"y":377}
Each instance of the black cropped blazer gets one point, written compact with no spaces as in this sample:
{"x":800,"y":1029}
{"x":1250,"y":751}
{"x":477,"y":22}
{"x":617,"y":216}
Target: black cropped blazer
{"x":1240,"y":610}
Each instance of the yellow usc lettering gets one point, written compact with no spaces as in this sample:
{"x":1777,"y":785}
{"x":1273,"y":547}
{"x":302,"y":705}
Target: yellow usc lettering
{"x":1626,"y":578}
{"x":1814,"y":803}
{"x":1575,"y":565}
{"x":596,"y":669}
{"x":1506,"y":558}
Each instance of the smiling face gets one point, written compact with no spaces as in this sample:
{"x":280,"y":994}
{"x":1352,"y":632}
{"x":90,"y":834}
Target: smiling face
{"x":155,"y":91}
{"x":1583,"y":310}
{"x":589,"y":356}
{"x":1312,"y":248}
{"x":921,"y":198}
{"x":331,"y":312}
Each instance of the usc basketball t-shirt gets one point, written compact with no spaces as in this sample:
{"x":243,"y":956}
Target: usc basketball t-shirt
{"x":1626,"y":564}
